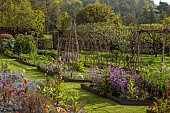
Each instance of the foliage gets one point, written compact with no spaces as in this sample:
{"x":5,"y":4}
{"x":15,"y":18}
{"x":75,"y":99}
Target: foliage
{"x":51,"y":9}
{"x":51,"y":53}
{"x":161,"y":105}
{"x":130,"y":10}
{"x":79,"y":66}
{"x":127,"y":84}
{"x":123,"y":81}
{"x":19,"y":16}
{"x":63,"y":22}
{"x":5,"y":36}
{"x":149,"y":15}
{"x":97,"y":12}
{"x":71,"y":6}
{"x":94,"y":103}
{"x":4,"y":67}
{"x":25,"y":44}
{"x":156,"y":85}
{"x":166,"y":22}
{"x":44,"y":43}
{"x":163,"y":10}
{"x":46,"y":36}
{"x":152,"y":43}
{"x":10,"y":53}
{"x":35,"y":59}
{"x":52,"y":90}
{"x":115,"y":34}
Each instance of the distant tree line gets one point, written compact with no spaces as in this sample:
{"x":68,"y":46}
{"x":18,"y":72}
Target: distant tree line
{"x":44,"y":15}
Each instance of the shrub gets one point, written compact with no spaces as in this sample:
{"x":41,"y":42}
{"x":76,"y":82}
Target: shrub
{"x":10,"y":53}
{"x":51,"y":53}
{"x":25,"y":44}
{"x":79,"y":66}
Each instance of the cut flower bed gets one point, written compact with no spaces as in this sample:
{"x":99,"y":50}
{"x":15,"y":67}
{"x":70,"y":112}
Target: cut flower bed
{"x":116,"y":99}
{"x":19,"y":94}
{"x":124,"y":84}
{"x":52,"y":69}
{"x":66,"y":79}
{"x":26,"y":62}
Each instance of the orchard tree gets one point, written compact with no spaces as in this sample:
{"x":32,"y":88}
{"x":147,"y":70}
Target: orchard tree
{"x":97,"y":12}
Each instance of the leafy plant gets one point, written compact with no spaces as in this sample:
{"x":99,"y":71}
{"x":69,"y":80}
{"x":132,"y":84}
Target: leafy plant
{"x":162,"y":105}
{"x":79,"y":66}
{"x":25,"y":44}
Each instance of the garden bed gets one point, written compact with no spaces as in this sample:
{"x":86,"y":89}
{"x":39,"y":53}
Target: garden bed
{"x":118,"y":100}
{"x":43,"y":70}
{"x":147,"y":111}
{"x":12,"y":57}
{"x":64,"y":78}
{"x":75,"y":80}
{"x":24,"y":62}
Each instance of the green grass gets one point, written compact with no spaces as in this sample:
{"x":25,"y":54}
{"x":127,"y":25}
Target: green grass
{"x":18,"y":67}
{"x":47,"y":36}
{"x":151,"y":59}
{"x":95,"y":104}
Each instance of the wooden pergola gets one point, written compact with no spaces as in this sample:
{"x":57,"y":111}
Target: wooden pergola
{"x":139,"y":31}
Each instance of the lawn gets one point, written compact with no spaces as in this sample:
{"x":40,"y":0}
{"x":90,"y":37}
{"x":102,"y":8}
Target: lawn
{"x":95,"y":104}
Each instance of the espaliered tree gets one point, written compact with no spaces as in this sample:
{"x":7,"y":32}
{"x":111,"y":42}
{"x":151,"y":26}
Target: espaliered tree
{"x":20,"y":17}
{"x":151,"y":41}
{"x":97,"y":12}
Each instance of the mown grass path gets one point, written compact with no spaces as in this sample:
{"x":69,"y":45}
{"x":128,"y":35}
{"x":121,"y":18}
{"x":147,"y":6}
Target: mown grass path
{"x":95,"y":104}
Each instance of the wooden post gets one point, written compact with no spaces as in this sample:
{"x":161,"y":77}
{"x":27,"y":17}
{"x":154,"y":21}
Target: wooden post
{"x":163,"y":47}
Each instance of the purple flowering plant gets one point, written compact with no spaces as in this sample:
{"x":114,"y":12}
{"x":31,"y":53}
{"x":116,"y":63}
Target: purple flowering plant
{"x":124,"y":83}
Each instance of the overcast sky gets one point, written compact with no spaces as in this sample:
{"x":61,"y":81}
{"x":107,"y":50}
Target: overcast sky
{"x":157,"y":1}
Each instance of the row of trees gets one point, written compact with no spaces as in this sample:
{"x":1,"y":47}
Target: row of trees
{"x":38,"y":15}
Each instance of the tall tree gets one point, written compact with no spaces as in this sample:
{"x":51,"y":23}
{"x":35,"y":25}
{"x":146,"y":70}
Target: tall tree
{"x":63,"y":22}
{"x":71,"y":6}
{"x":96,"y":12}
{"x":164,"y":10}
{"x":51,"y":10}
{"x":19,"y":16}
{"x":149,"y":15}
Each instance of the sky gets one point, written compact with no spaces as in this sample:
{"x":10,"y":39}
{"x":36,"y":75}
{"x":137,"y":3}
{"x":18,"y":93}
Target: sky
{"x":157,"y":1}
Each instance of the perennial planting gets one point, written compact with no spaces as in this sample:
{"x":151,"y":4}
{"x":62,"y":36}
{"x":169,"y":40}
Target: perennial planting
{"x":128,"y":84}
{"x":23,"y":95}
